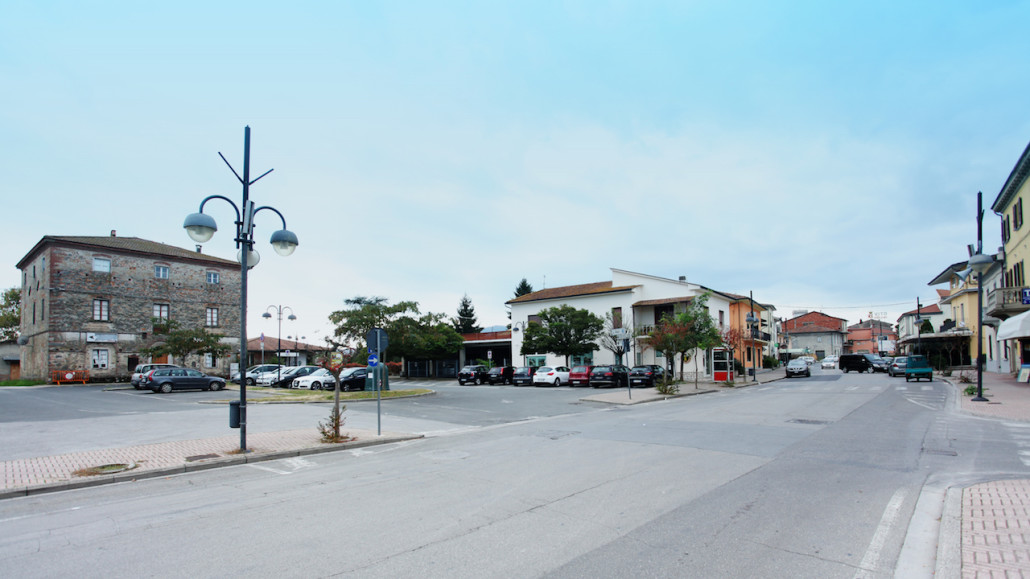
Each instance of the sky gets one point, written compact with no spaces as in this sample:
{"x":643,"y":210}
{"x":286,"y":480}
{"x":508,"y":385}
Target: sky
{"x":822,"y":155}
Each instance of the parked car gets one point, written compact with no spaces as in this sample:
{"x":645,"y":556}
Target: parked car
{"x":829,"y":362}
{"x":897,"y":366}
{"x":647,"y":375}
{"x":320,"y":379}
{"x":523,"y":375}
{"x":917,"y":367}
{"x":165,"y":380}
{"x":580,"y":375}
{"x":473,"y":374}
{"x":612,"y":375}
{"x":274,"y":375}
{"x":856,"y":362}
{"x":353,"y":379}
{"x":807,"y":359}
{"x":551,"y":375}
{"x":502,"y":374}
{"x":288,"y":376}
{"x":253,"y":372}
{"x":879,"y":364}
{"x":798,"y":367}
{"x":141,"y":371}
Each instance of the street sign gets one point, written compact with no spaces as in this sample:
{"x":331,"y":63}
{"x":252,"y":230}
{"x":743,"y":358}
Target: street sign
{"x":1026,"y":296}
{"x":373,"y":360}
{"x":376,"y":337}
{"x":489,"y":354}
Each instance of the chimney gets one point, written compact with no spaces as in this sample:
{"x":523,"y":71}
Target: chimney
{"x":198,"y":248}
{"x":114,"y":233}
{"x":683,"y":278}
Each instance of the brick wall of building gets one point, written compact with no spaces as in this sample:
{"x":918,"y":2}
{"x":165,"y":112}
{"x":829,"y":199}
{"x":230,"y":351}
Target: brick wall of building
{"x":61,"y":284}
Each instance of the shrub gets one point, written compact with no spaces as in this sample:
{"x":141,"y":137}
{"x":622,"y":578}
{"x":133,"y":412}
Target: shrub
{"x":738,"y":367}
{"x":970,"y":390}
{"x":331,"y":427}
{"x":964,"y":378}
{"x":667,"y":387}
{"x":770,"y":362}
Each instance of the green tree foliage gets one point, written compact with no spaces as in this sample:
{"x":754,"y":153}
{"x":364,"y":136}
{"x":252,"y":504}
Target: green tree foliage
{"x":10,"y":315}
{"x":465,"y":323}
{"x":563,"y":331}
{"x":926,"y":327}
{"x":523,"y":288}
{"x":427,"y":337}
{"x":363,"y":314}
{"x":699,"y":330}
{"x":181,"y":343}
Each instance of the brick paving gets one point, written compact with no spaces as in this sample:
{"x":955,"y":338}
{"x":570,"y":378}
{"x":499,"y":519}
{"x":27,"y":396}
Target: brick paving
{"x":48,"y":473}
{"x":996,"y":515}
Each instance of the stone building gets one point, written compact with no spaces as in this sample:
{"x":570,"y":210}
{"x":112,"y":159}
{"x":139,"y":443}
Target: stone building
{"x":88,"y":304}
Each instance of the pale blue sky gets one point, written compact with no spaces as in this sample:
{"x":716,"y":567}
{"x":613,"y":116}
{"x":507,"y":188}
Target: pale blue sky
{"x":824,"y":155}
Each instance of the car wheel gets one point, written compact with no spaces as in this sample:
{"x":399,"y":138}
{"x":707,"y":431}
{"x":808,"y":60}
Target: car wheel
{"x":461,"y":382}
{"x":316,"y":385}
{"x":165,"y":388}
{"x":929,"y":378}
{"x":557,"y":382}
{"x":214,"y":386}
{"x":478,"y":381}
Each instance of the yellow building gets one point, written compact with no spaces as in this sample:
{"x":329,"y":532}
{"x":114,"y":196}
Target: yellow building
{"x":1007,"y":300}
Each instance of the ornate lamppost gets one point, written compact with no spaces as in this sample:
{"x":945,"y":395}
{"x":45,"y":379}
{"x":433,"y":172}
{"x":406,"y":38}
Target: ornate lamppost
{"x":201,"y":227}
{"x":279,"y":346}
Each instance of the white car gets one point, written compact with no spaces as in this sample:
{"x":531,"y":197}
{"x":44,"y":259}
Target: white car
{"x":551,"y":375}
{"x":320,"y":379}
{"x":269,"y":378}
{"x":807,"y":359}
{"x":829,"y":362}
{"x":253,"y":372}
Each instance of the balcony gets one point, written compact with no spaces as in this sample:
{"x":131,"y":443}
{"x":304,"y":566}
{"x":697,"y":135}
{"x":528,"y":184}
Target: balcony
{"x":1005,"y":302}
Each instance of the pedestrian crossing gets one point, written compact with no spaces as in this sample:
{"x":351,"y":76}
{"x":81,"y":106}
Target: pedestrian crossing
{"x":930,"y":396}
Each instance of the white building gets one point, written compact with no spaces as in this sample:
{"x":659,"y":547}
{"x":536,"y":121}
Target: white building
{"x":638,"y":299}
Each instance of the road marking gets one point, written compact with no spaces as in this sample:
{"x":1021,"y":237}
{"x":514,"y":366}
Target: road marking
{"x":927,"y":388}
{"x":869,"y":564}
{"x":900,"y":388}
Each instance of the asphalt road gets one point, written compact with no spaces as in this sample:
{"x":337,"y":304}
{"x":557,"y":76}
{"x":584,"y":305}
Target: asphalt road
{"x":814,"y":477}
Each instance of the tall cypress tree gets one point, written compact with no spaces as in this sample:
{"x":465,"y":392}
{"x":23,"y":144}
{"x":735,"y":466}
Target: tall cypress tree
{"x":465,"y":323}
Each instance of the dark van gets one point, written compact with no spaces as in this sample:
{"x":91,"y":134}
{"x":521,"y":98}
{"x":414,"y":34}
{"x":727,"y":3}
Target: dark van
{"x":856,"y":362}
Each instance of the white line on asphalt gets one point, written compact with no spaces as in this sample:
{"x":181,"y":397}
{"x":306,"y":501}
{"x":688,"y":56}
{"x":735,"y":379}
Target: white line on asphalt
{"x":927,"y":388}
{"x":901,"y":388}
{"x":869,"y":564}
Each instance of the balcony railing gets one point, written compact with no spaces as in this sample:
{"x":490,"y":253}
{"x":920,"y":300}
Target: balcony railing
{"x":1006,"y":301}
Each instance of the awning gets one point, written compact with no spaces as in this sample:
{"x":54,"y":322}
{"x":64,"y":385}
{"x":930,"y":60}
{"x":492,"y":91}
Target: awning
{"x":1015,"y":327}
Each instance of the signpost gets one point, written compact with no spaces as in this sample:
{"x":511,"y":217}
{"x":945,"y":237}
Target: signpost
{"x":377,"y":342}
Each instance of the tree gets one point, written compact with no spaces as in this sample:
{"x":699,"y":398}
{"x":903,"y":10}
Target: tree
{"x":182,"y":343}
{"x":667,"y":337}
{"x":428,"y":336}
{"x":523,"y":288}
{"x":465,"y":323}
{"x":609,"y":341}
{"x":563,"y":331}
{"x":353,"y":324}
{"x":10,"y":315}
{"x":734,"y":339}
{"x":926,"y":327}
{"x":700,"y":333}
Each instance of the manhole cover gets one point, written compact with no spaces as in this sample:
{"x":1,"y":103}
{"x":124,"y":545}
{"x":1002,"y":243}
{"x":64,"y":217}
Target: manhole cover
{"x":808,"y":421}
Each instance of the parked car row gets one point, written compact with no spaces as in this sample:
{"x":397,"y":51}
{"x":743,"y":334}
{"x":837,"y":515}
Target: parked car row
{"x":611,"y":375}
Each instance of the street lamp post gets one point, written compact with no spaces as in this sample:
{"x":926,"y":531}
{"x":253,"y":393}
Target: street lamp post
{"x":980,"y":263}
{"x":201,"y":227}
{"x":752,"y":323}
{"x":516,"y":327}
{"x":279,"y":346}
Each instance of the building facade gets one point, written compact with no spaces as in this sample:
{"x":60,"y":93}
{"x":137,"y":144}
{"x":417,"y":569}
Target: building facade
{"x":88,"y":304}
{"x":871,"y":337}
{"x":637,"y":301}
{"x":815,"y":334}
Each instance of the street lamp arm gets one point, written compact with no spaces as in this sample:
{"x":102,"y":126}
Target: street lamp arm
{"x":270,"y":208}
{"x":224,"y":198}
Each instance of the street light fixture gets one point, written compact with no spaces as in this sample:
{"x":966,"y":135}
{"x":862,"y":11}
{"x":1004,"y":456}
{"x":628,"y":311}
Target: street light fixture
{"x":279,"y":346}
{"x":516,"y":327}
{"x":980,"y":263}
{"x":201,"y":227}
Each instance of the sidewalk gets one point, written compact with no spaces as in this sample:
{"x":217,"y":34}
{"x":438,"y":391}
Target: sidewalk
{"x":995,"y":515}
{"x":63,"y":472}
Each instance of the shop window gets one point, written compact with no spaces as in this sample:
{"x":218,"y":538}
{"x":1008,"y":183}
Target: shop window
{"x":536,"y":361}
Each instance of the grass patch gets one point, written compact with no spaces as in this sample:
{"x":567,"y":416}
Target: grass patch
{"x":20,"y":383}
{"x":328,"y":395}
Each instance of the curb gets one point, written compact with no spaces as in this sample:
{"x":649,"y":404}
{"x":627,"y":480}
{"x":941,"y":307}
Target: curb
{"x":133,"y":475}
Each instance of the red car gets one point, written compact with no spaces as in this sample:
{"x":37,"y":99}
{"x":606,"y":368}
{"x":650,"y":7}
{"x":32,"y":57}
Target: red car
{"x":580,"y":375}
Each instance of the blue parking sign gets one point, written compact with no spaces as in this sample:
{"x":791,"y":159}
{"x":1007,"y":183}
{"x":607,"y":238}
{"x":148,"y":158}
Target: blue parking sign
{"x":1026,"y":296}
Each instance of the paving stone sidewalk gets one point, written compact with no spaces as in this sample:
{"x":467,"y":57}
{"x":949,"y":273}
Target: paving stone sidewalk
{"x":66,"y":471}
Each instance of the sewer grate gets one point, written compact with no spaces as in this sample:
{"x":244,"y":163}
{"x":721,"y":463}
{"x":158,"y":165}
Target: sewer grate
{"x":808,"y":421}
{"x":200,"y":457}
{"x":940,"y":452}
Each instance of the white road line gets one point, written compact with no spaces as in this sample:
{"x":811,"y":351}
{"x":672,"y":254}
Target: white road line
{"x":869,"y":564}
{"x":927,"y":388}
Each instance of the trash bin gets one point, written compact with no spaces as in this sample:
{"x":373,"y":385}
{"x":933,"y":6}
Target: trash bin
{"x":234,"y":414}
{"x":750,"y":371}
